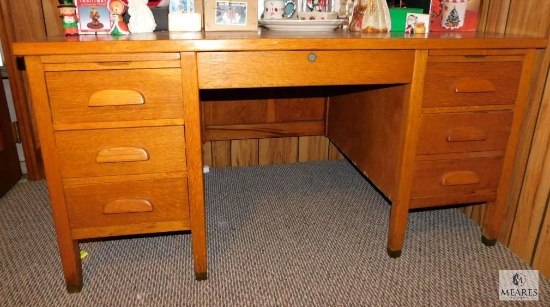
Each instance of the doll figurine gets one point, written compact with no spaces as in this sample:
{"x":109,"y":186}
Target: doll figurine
{"x":371,"y":16}
{"x":117,"y":8}
{"x":69,"y":20}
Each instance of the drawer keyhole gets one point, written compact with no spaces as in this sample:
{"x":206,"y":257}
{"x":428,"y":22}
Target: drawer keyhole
{"x":312,"y":57}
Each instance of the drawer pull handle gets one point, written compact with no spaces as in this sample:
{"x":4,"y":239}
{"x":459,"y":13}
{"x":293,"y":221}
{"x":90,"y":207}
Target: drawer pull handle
{"x":312,"y":57}
{"x":122,"y":154}
{"x":106,"y":98}
{"x":459,"y":178}
{"x":466,"y":134}
{"x":470,"y":85}
{"x":126,"y":205}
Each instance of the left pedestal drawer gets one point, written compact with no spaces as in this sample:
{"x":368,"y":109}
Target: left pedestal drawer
{"x":129,"y":202}
{"x":125,"y":151}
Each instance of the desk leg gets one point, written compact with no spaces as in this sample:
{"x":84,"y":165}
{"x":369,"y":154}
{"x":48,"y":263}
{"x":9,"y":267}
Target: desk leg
{"x":193,"y":142}
{"x":72,"y":266}
{"x":491,"y":224}
{"x":398,"y":226}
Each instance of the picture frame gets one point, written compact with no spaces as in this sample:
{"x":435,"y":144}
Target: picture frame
{"x":230,"y":15}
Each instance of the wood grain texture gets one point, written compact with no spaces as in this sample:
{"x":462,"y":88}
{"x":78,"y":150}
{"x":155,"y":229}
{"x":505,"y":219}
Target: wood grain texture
{"x":313,"y":148}
{"x":70,"y":106}
{"x":21,"y":99}
{"x":316,"y":68}
{"x":532,"y":204}
{"x":528,"y":17}
{"x":334,"y":153}
{"x":494,"y":211}
{"x":497,"y":16}
{"x":207,"y":153}
{"x":167,"y":201}
{"x":244,"y":152}
{"x":221,"y":153}
{"x":540,"y":259}
{"x":263,"y":130}
{"x":537,"y":87}
{"x":52,"y":18}
{"x":68,"y":246}
{"x":367,"y":131}
{"x":278,"y":150}
{"x":406,"y":153}
{"x":164,"y":149}
{"x":193,"y":142}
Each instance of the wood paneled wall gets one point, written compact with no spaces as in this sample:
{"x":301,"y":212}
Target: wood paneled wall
{"x":526,"y":228}
{"x":244,"y":127}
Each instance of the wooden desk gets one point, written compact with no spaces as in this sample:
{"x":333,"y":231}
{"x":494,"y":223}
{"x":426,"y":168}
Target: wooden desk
{"x":430,"y":121}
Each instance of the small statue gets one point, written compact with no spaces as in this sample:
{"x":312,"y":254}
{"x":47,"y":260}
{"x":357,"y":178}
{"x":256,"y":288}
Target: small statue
{"x":371,"y":16}
{"x":69,"y":19}
{"x":117,"y":8}
{"x":94,"y":16}
{"x":141,"y":17}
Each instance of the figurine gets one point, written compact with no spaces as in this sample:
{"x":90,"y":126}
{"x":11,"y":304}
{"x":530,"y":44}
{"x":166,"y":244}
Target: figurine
{"x":371,"y":16}
{"x":69,"y":19}
{"x":141,"y":17}
{"x":94,"y":16}
{"x":117,"y":8}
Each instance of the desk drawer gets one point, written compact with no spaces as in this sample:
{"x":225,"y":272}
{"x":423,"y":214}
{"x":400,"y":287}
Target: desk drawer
{"x":471,"y":83}
{"x":122,"y":203}
{"x":115,"y":95}
{"x":303,"y":68}
{"x":113,"y":152}
{"x":464,"y":132}
{"x":456,"y":177}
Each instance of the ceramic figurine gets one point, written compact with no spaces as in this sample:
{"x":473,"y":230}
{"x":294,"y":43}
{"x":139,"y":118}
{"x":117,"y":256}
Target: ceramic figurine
{"x":117,"y":8}
{"x":371,"y":16}
{"x":69,"y":19}
{"x":141,"y":17}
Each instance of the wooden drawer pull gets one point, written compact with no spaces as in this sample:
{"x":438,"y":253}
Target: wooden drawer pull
{"x":127,"y":206}
{"x":470,"y":85}
{"x":466,"y":134}
{"x":107,"y":98}
{"x":459,"y":178}
{"x":122,"y":154}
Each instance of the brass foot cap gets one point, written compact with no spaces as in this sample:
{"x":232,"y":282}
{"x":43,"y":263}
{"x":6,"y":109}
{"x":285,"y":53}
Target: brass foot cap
{"x":488,"y":242}
{"x":201,"y":276}
{"x":394,"y":254}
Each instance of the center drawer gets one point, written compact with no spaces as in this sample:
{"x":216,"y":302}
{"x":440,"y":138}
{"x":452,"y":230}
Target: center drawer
{"x":115,"y":95}
{"x":114,"y":152}
{"x":303,"y":68}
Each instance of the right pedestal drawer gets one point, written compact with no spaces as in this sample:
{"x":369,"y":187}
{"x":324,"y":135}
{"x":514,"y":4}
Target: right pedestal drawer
{"x":451,"y":84}
{"x":466,"y":122}
{"x":464,"y":132}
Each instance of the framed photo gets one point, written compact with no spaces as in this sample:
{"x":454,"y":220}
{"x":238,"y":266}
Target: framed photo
{"x":230,"y":15}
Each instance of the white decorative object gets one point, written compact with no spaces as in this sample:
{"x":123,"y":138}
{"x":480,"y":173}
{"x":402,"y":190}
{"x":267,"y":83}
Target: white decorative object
{"x":453,"y":13}
{"x":141,"y":17}
{"x":184,"y":22}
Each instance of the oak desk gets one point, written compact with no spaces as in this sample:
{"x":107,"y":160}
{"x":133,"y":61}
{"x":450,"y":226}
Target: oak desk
{"x":431,"y":121}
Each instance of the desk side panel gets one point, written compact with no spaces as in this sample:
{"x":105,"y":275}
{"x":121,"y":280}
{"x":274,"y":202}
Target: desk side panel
{"x":365,"y":125}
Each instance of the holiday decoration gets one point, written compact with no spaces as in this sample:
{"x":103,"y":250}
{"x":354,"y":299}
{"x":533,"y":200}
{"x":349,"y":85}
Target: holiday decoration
{"x":69,"y":19}
{"x":371,"y":16}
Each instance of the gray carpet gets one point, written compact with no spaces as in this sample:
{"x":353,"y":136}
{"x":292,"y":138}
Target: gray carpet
{"x":306,"y":234}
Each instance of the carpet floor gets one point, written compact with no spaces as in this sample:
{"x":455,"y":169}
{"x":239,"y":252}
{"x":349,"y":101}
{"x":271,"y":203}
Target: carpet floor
{"x":304,"y":234}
